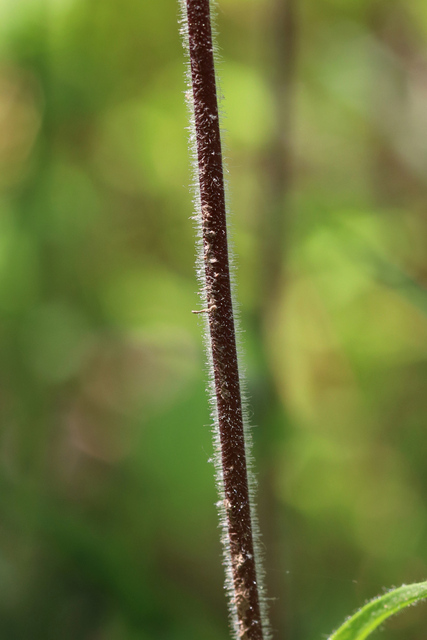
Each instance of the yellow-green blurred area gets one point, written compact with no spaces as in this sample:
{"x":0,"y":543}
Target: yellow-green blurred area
{"x":108,"y":529}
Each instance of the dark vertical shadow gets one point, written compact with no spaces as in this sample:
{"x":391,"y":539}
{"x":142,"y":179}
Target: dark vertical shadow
{"x":275,"y":213}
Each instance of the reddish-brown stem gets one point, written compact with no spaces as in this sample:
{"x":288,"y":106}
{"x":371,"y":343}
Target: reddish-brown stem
{"x":246,"y":601}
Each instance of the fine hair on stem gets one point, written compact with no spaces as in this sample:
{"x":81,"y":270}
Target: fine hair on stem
{"x":232,"y":440}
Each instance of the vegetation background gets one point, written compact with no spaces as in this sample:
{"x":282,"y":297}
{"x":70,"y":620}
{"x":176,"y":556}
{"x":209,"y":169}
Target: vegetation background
{"x":108,"y":526}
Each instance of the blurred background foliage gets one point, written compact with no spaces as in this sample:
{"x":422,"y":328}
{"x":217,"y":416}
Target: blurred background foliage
{"x":108,"y":526}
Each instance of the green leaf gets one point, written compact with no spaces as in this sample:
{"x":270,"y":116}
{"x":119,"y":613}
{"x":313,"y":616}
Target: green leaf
{"x":369,"y":617}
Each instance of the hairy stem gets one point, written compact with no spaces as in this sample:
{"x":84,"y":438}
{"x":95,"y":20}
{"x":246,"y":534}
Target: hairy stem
{"x":245,"y":605}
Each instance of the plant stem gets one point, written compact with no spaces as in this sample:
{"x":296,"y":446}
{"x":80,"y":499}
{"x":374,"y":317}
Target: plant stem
{"x":245,"y":601}
{"x":276,"y":168}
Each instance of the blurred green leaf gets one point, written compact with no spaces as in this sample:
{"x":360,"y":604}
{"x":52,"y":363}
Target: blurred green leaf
{"x":367,"y":619}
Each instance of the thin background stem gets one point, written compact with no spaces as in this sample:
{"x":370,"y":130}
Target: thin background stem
{"x":279,"y":57}
{"x":246,"y":605}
